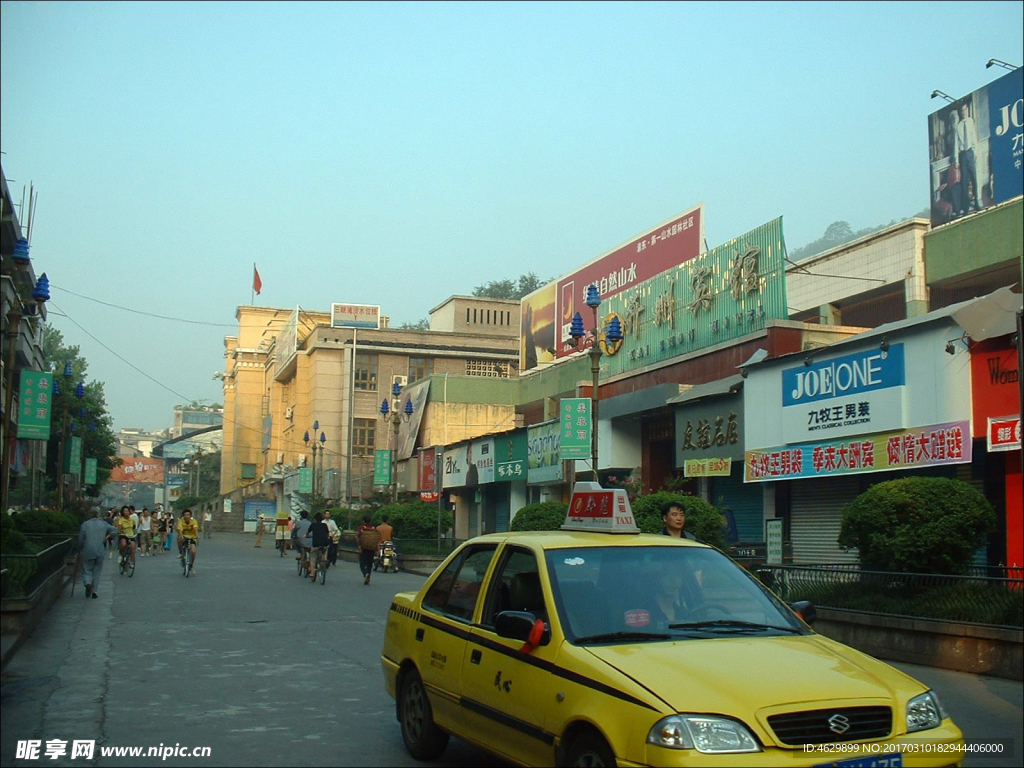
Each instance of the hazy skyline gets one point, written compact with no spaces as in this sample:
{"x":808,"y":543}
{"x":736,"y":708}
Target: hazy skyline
{"x":396,"y":154}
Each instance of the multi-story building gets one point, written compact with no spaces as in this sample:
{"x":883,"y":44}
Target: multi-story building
{"x":288,"y":370}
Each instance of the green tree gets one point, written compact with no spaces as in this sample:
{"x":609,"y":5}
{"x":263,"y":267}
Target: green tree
{"x":918,"y":524}
{"x":419,"y":325}
{"x":544,"y":516}
{"x":511,"y":289}
{"x":88,"y":416}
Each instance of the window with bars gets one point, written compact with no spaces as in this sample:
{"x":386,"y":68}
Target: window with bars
{"x":420,"y":368}
{"x":366,"y":371}
{"x":491,"y":368}
{"x":364,"y":437}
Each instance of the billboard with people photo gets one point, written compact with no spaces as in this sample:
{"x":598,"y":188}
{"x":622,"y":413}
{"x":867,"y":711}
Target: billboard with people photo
{"x":975,"y":145}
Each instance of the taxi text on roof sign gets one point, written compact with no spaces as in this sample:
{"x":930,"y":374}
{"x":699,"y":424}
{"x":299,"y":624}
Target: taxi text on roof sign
{"x":604,"y":510}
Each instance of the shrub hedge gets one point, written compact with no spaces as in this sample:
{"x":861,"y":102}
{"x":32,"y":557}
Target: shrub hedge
{"x":545,"y":516}
{"x":918,"y":525}
{"x":702,"y":519}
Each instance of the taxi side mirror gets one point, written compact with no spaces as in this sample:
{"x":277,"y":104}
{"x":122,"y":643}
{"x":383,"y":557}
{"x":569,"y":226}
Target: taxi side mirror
{"x":518,"y":625}
{"x":805,"y":610}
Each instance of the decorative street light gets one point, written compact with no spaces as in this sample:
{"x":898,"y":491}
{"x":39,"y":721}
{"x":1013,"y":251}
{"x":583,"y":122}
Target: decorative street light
{"x":79,"y":393}
{"x":580,"y":340}
{"x":314,"y":448}
{"x":396,"y":415}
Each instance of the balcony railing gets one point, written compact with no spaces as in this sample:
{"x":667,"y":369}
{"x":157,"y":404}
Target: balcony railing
{"x":25,"y":574}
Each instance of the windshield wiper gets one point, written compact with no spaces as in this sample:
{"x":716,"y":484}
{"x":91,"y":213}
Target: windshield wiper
{"x":607,"y":636}
{"x":730,"y":624}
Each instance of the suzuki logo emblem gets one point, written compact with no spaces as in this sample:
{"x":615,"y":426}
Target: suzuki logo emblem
{"x":838,"y":724}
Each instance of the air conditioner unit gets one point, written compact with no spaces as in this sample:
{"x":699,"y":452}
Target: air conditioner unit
{"x":302,"y":459}
{"x":400,"y":381}
{"x":280,"y":457}
{"x":289,"y":412}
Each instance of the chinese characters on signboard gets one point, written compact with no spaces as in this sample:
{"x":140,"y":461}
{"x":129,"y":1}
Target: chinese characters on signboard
{"x":575,"y":427}
{"x":903,"y":449}
{"x":305,"y":480}
{"x":510,"y":455}
{"x":34,"y":405}
{"x":90,"y":472}
{"x":355,"y":316}
{"x":382,"y":467}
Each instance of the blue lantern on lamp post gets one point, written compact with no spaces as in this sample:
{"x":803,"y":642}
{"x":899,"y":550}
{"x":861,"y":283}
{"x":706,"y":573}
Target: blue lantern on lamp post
{"x":582,"y":339}
{"x":396,"y":414}
{"x":311,"y":443}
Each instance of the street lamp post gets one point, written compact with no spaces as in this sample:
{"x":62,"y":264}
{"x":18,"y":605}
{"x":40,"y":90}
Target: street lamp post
{"x":314,"y":448}
{"x":581,"y":339}
{"x":396,"y":415}
{"x":79,"y":393}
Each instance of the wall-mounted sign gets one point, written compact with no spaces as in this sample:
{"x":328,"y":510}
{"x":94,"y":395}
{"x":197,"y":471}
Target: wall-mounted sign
{"x":382,"y":467}
{"x":455,"y":465}
{"x":34,"y":405}
{"x":306,"y":480}
{"x":480,"y":462}
{"x":709,"y":428}
{"x":510,"y":456}
{"x":543,"y":463}
{"x":849,"y":395}
{"x":902,"y":449}
{"x":576,"y":428}
{"x":428,"y":470}
{"x":409,"y":430}
{"x":707,"y":467}
{"x":728,"y":292}
{"x":254,"y":508}
{"x":773,"y":539}
{"x":355,"y":316}
{"x":286,"y":346}
{"x":90,"y":472}
{"x":995,"y":381}
{"x":73,"y":461}
{"x":1004,"y":434}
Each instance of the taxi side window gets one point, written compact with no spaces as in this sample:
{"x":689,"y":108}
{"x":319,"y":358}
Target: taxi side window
{"x":456,"y":590}
{"x":516,"y":587}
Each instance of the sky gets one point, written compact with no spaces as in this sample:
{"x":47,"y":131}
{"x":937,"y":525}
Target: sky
{"x":398,"y":154}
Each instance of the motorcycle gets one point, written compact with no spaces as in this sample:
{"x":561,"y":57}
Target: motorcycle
{"x":387,"y":558}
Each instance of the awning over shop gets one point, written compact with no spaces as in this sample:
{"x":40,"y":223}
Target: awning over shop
{"x":637,"y":402}
{"x":728,"y":385}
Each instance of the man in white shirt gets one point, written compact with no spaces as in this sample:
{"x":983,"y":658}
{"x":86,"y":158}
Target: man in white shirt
{"x":146,"y":532}
{"x":208,"y":524}
{"x":966,"y":133}
{"x":332,"y":529}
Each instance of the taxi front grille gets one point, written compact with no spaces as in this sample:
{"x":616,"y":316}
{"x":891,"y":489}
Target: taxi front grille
{"x":825,"y":726}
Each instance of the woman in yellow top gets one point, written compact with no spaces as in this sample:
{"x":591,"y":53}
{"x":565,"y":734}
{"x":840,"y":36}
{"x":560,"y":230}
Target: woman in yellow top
{"x":188,"y":533}
{"x":126,"y":531}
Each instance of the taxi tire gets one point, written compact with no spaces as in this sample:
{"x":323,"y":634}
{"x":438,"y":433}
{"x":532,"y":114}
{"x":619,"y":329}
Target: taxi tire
{"x":415,"y":714}
{"x":589,"y":749}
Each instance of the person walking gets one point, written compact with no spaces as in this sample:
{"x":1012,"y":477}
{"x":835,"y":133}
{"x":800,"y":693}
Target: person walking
{"x":161,"y":533}
{"x":259,"y":529}
{"x":207,"y":524}
{"x":169,"y":538}
{"x":146,"y":532}
{"x":92,"y":535}
{"x":368,"y":537}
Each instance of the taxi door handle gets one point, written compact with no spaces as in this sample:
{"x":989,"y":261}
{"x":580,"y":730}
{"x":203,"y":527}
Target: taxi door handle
{"x":474,"y":657}
{"x":419,"y":634}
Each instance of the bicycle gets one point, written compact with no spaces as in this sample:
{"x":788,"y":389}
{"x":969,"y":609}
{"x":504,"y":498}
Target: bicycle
{"x":186,"y":558}
{"x":321,"y":565}
{"x":126,"y":562}
{"x":303,"y":562}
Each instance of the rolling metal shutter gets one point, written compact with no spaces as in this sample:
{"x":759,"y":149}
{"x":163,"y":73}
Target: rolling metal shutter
{"x":745,"y":500}
{"x":816,"y":515}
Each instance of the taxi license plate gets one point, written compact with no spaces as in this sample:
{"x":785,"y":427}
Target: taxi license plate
{"x":894,"y":760}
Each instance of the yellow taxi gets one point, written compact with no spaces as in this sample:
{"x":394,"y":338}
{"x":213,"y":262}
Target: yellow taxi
{"x":597,"y":645}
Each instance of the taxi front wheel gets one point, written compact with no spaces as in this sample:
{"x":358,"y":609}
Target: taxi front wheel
{"x":589,"y":749}
{"x":422,"y":738}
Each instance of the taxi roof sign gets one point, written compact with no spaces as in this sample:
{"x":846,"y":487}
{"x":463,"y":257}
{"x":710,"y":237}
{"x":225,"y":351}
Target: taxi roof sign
{"x":603,"y":510}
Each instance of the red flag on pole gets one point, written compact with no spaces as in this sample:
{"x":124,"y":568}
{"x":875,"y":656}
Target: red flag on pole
{"x":257,"y":284}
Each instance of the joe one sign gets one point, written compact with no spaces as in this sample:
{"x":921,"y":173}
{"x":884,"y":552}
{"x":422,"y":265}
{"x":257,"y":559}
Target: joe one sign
{"x":849,"y":395}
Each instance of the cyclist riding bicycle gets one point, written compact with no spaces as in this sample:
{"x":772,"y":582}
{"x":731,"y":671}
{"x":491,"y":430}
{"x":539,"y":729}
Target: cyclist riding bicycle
{"x":126,"y":532}
{"x":319,"y":539}
{"x":301,"y":533}
{"x":188,"y":533}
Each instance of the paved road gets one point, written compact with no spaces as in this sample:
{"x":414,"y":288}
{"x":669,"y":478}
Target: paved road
{"x":268,"y":669}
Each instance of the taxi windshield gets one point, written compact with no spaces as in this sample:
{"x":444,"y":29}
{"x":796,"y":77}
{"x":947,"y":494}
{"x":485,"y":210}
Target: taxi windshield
{"x":645,"y":594}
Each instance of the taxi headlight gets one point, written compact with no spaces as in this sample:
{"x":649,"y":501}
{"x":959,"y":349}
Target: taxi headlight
{"x":924,"y":712}
{"x":703,"y":733}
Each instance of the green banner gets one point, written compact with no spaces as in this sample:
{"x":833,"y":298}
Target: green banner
{"x":382,"y":467}
{"x":510,"y":456}
{"x":73,"y":460}
{"x":90,"y":471}
{"x":306,"y":480}
{"x":576,"y":428}
{"x":34,"y":405}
